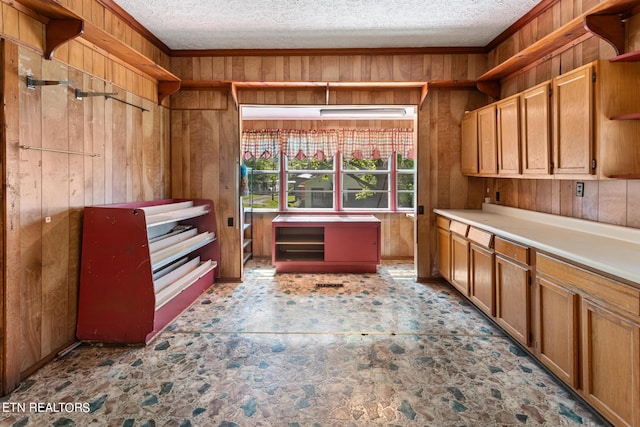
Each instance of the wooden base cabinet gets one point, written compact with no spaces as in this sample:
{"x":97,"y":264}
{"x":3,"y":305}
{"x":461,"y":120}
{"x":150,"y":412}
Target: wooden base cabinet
{"x":460,"y":257}
{"x":611,"y":363}
{"x":557,"y":329}
{"x":513,"y":289}
{"x":591,"y":322}
{"x":143,"y":264}
{"x":482,"y":290}
{"x":444,"y":247}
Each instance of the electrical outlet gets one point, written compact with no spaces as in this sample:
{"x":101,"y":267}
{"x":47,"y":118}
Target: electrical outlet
{"x":579,"y":189}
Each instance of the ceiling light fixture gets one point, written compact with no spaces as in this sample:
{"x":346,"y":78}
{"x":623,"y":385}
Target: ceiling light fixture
{"x":363,"y":112}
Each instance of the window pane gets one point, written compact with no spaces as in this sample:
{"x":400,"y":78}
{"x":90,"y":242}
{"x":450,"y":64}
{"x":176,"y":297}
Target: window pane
{"x":365,"y":190}
{"x":405,"y":200}
{"x":404,"y":163}
{"x":405,"y":181}
{"x":310,"y":164}
{"x":263,"y":182}
{"x":365,"y":164}
{"x":265,"y":188}
{"x":270,"y":163}
{"x":310,"y":190}
{"x":353,"y":199}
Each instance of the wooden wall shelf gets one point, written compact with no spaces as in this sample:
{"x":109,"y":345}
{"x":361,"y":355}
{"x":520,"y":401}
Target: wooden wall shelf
{"x":326,"y":86}
{"x":631,"y":116}
{"x":604,"y":20}
{"x":627,"y":57}
{"x":64,"y":25}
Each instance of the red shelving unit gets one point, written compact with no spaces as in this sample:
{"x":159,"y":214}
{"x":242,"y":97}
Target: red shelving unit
{"x":143,"y":264}
{"x":326,"y":243}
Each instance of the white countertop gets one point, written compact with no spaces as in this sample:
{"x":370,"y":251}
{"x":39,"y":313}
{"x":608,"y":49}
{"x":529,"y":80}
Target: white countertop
{"x":608,"y":248}
{"x":297,"y":218}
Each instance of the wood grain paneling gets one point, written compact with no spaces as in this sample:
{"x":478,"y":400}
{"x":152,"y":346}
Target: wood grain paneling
{"x":48,"y":190}
{"x":11,"y":243}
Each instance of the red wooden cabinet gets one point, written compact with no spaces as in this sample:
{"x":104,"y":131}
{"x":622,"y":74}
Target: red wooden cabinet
{"x":326,"y":243}
{"x":142,"y":265}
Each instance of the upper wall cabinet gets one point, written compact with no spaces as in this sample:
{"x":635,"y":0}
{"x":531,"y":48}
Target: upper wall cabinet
{"x":487,"y":140}
{"x":509,"y":136}
{"x":573,"y":122}
{"x":469,"y":161}
{"x":581,"y":125}
{"x":535,"y":106}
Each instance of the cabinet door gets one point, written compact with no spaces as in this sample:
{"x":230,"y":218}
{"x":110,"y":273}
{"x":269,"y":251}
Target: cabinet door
{"x":573,"y":122}
{"x":352,"y":243}
{"x":444,"y":253}
{"x":513,"y":299}
{"x":482,"y":286}
{"x":460,"y":263}
{"x":611,"y":364}
{"x":536,"y":130}
{"x":556,"y":332}
{"x":487,"y":142}
{"x":509,"y":136}
{"x":469,"y":147}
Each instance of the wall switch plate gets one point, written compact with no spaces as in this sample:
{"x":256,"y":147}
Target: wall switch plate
{"x":420,"y":210}
{"x":497,"y":196}
{"x":579,"y":189}
{"x":230,"y":221}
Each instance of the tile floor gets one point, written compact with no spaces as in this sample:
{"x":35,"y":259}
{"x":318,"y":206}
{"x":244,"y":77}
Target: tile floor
{"x":276,"y":350}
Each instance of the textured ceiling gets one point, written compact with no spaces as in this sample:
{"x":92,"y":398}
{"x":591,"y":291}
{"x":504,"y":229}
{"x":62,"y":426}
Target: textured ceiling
{"x":307,"y":24}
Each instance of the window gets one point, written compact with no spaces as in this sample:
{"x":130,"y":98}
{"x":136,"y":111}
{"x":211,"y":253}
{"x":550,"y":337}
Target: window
{"x":310,"y":183}
{"x":264,"y":183}
{"x":324,"y":169}
{"x":405,"y":183}
{"x":365,"y":183}
{"x":261,"y":156}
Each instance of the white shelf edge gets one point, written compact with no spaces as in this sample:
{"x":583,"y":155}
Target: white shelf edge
{"x":173,"y":239}
{"x":165,"y":256}
{"x":162,"y":282}
{"x":168,"y":207}
{"x":177,"y":215}
{"x":175,"y":288}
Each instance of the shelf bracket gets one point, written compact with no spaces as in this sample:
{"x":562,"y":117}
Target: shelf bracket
{"x":610,"y":28}
{"x":424,"y":91}
{"x":33,"y":83}
{"x":60,"y":31}
{"x":234,"y":93}
{"x":489,"y":87}
{"x":166,"y":88}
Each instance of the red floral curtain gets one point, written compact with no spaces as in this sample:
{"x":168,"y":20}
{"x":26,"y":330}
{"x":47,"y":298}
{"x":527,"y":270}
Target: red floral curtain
{"x":323,"y":143}
{"x":262,"y":144}
{"x":303,"y":144}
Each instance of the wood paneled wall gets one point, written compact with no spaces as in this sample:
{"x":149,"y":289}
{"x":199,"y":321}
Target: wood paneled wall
{"x":28,"y":29}
{"x":440,"y":182}
{"x":48,"y":191}
{"x":609,"y":201}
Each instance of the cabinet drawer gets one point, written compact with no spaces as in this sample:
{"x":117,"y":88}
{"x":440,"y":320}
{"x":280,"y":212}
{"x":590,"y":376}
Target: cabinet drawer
{"x":610,"y":292}
{"x":480,"y":237}
{"x":512,"y":250}
{"x":459,"y":228}
{"x":443,"y":222}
